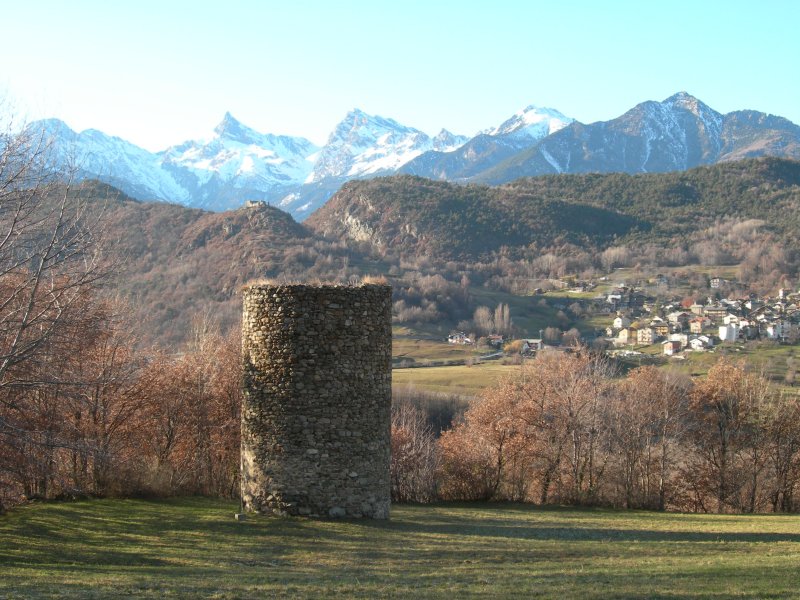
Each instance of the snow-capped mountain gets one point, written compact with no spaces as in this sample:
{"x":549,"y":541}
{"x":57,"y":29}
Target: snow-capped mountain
{"x":532,"y":122}
{"x":236,"y":151}
{"x":678,"y":133}
{"x":237,"y":163}
{"x":520,"y":131}
{"x":444,"y":141}
{"x":93,"y":154}
{"x":364,"y":145}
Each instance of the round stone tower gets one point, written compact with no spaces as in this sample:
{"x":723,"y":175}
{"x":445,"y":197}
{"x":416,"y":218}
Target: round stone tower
{"x":317,"y":400}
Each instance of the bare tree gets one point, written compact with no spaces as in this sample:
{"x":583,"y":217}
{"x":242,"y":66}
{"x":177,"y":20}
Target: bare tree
{"x":49,"y":250}
{"x":483,"y":319}
{"x":50,"y":263}
{"x":414,"y":455}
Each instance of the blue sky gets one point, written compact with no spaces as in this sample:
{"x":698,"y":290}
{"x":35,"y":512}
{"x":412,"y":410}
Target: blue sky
{"x":159,"y":72}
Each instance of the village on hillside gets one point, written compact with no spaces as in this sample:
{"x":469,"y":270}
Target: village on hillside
{"x":700,"y":325}
{"x":668,"y":325}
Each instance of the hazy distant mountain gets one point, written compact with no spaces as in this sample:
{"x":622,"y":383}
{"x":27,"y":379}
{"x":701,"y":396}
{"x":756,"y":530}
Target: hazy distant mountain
{"x":521,"y":131}
{"x":677,"y":134}
{"x":238,"y":163}
{"x":363,"y":146}
{"x":126,"y":166}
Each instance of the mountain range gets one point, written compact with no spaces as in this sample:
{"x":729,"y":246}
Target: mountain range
{"x":180,"y":262}
{"x":238,"y":163}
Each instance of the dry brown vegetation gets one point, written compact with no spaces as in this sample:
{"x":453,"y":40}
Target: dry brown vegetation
{"x":565,"y":430}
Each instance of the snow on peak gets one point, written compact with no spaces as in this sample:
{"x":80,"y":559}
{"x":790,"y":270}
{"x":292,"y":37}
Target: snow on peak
{"x":447,"y":142}
{"x":682,"y":99}
{"x":685,"y":101}
{"x":244,"y":157}
{"x":233,"y":129}
{"x":358,"y":126}
{"x":363,"y":144}
{"x":532,"y":121}
{"x":110,"y":159}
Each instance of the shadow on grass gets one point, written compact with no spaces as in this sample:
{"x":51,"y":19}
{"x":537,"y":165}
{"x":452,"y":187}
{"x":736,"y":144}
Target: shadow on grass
{"x":530,"y":522}
{"x":194,"y":548}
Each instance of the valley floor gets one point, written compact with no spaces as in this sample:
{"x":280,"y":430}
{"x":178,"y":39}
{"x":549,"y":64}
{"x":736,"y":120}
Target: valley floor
{"x":194,"y":548}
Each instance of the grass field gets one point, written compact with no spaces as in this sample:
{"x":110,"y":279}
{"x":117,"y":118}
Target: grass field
{"x":191,"y":548}
{"x":459,"y":379}
{"x":424,"y":350}
{"x":768,"y":358}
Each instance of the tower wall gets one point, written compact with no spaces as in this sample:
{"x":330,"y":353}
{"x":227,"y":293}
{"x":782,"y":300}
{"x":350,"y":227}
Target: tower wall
{"x":316,"y":400}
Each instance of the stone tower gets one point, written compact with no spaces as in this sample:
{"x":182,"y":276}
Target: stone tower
{"x":316,"y":400}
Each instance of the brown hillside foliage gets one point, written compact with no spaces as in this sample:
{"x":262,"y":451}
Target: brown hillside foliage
{"x":190,"y":417}
{"x":564,"y":430}
{"x":93,"y":416}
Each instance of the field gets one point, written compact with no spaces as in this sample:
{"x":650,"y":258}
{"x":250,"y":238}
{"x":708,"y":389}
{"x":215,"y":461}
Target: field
{"x":421,"y":350}
{"x":194,"y":548}
{"x":460,"y":379}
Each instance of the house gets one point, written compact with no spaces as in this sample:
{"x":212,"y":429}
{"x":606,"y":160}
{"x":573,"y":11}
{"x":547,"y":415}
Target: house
{"x":679,"y":318}
{"x":716,"y":312}
{"x":670,"y":347}
{"x":626,"y":335}
{"x":701,"y":343}
{"x":532,"y":345}
{"x":636,"y":300}
{"x":645,"y":335}
{"x":753,"y":304}
{"x":697,"y":324}
{"x":777,"y":330}
{"x":621,"y":321}
{"x":459,"y":338}
{"x":661,"y":328}
{"x":696,"y":309}
{"x":495,"y":340}
{"x":614,"y":299}
{"x":729,"y":333}
{"x":731,"y":320}
{"x":717,"y":282}
{"x":707,"y":340}
{"x":681,"y":338}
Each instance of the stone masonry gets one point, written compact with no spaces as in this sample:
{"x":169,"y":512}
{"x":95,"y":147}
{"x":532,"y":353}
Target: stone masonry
{"x":316,"y":400}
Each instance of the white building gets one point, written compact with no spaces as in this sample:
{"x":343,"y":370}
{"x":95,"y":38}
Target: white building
{"x":729,"y":333}
{"x":621,"y":322}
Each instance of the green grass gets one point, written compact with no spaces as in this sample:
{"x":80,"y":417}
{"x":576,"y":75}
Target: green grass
{"x":768,"y":358}
{"x":424,"y":350}
{"x":459,"y":379}
{"x":190,"y":548}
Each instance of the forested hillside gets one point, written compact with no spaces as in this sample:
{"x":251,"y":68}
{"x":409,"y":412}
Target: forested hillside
{"x":680,"y":203}
{"x":178,"y":263}
{"x":448,"y":220}
{"x":442,"y":220}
